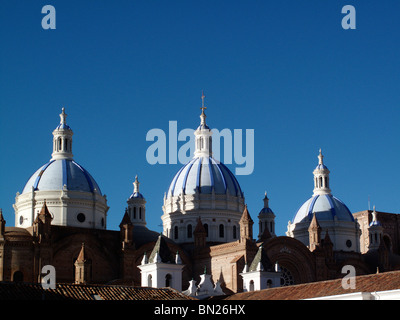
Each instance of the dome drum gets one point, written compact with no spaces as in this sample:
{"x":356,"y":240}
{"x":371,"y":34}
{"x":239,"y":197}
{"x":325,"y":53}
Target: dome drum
{"x":220,"y":227}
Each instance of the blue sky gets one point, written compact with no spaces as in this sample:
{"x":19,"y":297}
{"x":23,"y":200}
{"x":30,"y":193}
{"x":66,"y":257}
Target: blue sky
{"x":286,"y":69}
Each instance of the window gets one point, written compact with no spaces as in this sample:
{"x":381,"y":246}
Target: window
{"x":18,"y":276}
{"x":234,"y":232}
{"x":168,"y":279}
{"x":176,"y":232}
{"x":81,"y":217}
{"x":320,"y":182}
{"x":221,"y":230}
{"x":134,"y":213}
{"x":140,"y":213}
{"x":206,"y":228}
{"x":189,"y":231}
{"x":251,"y":285}
{"x":149,"y":280}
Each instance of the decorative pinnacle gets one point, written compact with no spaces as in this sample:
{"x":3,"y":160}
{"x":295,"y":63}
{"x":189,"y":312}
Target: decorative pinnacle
{"x":320,"y":157}
{"x":63,"y":116}
{"x":203,"y":115}
{"x":266,"y":200}
{"x":202,"y":101}
{"x":136,"y":185}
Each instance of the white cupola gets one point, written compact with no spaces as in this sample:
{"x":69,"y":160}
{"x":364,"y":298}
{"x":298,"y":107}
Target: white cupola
{"x":137,"y":205}
{"x":321,"y":177}
{"x":62,"y":139}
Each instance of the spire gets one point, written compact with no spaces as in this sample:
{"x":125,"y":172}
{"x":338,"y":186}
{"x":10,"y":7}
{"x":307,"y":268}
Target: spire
{"x":314,"y":233}
{"x":203,"y":134}
{"x":62,"y":139}
{"x":81,"y":256}
{"x":321,"y":177}
{"x":246,"y":226}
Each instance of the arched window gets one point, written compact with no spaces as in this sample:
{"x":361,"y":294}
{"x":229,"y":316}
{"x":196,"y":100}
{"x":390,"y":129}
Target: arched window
{"x":168,"y":280}
{"x":149,"y":280}
{"x":140,"y":212}
{"x":326,"y":182}
{"x":251,"y":285}
{"x":134,"y":213}
{"x":320,"y":182}
{"x":189,"y":231}
{"x":18,"y":276}
{"x":269,"y":283}
{"x":234,"y":232}
{"x":206,"y":228}
{"x":59,"y":144}
{"x":176,"y":232}
{"x":221,"y":230}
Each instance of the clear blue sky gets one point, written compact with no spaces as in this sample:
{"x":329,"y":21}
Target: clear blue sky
{"x":286,"y":69}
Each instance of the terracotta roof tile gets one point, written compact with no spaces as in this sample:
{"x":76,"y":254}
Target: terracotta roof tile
{"x":34,"y":291}
{"x":367,"y":283}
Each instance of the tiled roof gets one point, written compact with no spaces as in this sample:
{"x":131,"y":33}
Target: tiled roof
{"x":34,"y":291}
{"x":367,"y":283}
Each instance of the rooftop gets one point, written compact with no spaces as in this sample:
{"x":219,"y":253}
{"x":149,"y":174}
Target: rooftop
{"x":368,"y":283}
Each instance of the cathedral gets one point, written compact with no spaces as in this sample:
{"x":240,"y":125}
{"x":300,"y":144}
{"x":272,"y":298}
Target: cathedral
{"x":207,"y":247}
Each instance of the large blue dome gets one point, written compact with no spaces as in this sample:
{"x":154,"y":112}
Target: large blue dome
{"x":203,"y":175}
{"x":57,"y":173}
{"x":326,"y":207}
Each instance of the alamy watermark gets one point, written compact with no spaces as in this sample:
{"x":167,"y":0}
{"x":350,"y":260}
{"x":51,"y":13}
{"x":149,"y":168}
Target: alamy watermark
{"x":236,"y":150}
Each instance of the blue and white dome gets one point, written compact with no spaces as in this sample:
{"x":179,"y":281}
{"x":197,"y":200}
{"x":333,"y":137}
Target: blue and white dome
{"x":326,"y":207}
{"x":72,"y":195}
{"x":205,"y":189}
{"x":332,"y":215}
{"x":58,"y":174}
{"x":204,"y":175}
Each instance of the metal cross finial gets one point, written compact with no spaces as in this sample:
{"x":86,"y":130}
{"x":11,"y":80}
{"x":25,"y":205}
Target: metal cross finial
{"x":202,"y":101}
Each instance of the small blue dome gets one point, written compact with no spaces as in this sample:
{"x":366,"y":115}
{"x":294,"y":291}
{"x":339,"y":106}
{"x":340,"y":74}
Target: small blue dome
{"x":63,"y":126}
{"x":203,"y":175}
{"x":266,"y":210}
{"x":321,"y":166}
{"x":57,"y":173}
{"x":326,"y":207}
{"x":375,"y":223}
{"x":136,"y":195}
